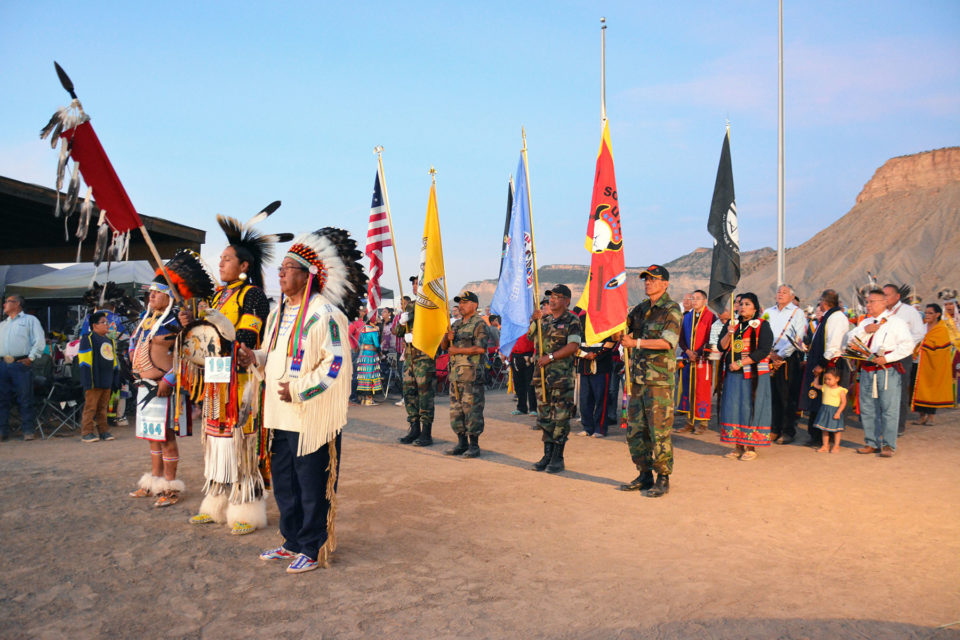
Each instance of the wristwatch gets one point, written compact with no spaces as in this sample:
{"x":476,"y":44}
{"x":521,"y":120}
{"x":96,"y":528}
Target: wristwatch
{"x":550,"y":355}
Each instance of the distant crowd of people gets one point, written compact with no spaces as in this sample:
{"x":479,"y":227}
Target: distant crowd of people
{"x":757,"y":369}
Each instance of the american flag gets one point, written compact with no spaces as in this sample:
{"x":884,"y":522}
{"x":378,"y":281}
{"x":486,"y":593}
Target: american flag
{"x":378,"y":237}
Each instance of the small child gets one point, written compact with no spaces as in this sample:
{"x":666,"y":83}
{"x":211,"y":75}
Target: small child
{"x":100,"y":372}
{"x":830,"y":417}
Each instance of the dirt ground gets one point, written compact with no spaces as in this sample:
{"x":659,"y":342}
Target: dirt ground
{"x":796,"y":544}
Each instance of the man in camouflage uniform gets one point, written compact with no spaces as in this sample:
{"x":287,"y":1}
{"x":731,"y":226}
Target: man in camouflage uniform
{"x":466,"y":342}
{"x":653,"y":330}
{"x":562,"y":336}
{"x":419,"y":381}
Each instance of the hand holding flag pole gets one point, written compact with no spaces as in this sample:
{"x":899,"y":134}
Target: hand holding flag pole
{"x":100,"y":176}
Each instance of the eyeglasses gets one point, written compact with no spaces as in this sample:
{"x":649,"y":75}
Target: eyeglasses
{"x":289,"y":268}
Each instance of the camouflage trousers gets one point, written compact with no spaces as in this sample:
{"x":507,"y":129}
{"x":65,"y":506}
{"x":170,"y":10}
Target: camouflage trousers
{"x":419,"y":389}
{"x":466,"y":407}
{"x":553,"y":415}
{"x":650,"y":422}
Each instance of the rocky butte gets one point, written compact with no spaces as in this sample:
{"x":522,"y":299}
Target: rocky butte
{"x":904,"y":228}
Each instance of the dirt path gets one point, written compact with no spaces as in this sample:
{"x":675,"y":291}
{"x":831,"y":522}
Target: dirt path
{"x":793,"y":545}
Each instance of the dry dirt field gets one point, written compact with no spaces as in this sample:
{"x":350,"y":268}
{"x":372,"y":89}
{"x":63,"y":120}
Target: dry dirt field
{"x":793,"y":545}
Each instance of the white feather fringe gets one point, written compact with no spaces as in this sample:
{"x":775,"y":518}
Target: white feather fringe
{"x":337,"y":284}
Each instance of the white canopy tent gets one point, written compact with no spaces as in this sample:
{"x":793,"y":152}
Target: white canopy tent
{"x":71,"y":282}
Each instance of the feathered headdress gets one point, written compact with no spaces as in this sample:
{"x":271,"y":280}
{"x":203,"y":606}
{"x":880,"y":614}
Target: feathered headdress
{"x":331,"y":257}
{"x":253,"y":247}
{"x":189,"y":274}
{"x":99,"y":294}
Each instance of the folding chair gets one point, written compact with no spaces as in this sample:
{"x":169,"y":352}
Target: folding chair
{"x":62,"y":407}
{"x":499,"y":373}
{"x":390,"y":373}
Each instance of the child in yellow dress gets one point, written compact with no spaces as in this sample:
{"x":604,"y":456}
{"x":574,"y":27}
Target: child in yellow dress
{"x":830,"y":416}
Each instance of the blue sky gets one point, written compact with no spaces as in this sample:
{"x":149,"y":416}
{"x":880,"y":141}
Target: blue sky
{"x":216,"y":107}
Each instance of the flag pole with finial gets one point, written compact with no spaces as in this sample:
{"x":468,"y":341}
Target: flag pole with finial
{"x":446,"y":297}
{"x":627,"y":383}
{"x":533,"y":255}
{"x":386,"y":203}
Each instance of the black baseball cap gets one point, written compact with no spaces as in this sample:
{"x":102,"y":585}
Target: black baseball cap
{"x":468,"y":296}
{"x":655,"y":271}
{"x":414,"y":278}
{"x":560,"y":290}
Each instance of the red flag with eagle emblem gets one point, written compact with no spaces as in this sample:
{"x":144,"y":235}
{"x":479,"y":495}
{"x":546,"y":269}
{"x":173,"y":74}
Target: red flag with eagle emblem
{"x":605,"y":295}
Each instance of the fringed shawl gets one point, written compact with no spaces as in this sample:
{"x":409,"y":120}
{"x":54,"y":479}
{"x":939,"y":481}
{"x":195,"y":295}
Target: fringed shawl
{"x":321,"y":388}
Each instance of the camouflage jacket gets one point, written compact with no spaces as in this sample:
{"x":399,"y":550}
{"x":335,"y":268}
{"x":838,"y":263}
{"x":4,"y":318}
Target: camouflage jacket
{"x":410,"y":352}
{"x":468,"y":333}
{"x":655,"y":367}
{"x":557,"y":333}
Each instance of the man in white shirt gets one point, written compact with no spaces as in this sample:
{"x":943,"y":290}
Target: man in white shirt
{"x":824,"y":351}
{"x":914,"y":321}
{"x":889,"y":340}
{"x":787,"y":322}
{"x":21,"y":342}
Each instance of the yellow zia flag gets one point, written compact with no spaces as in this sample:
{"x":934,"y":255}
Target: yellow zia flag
{"x":432,"y":316}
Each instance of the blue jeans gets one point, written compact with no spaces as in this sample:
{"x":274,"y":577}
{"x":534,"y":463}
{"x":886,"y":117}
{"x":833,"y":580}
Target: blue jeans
{"x":16,"y":380}
{"x":879,"y":415}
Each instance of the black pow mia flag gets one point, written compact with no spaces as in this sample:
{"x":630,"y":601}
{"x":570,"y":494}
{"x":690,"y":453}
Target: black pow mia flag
{"x":724,"y":227}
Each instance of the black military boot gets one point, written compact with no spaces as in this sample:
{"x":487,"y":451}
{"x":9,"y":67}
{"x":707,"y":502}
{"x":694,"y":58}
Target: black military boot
{"x":426,"y":437}
{"x":642,"y":482}
{"x":556,"y":458}
{"x":412,"y":434}
{"x":473,"y":451}
{"x":461,"y":447}
{"x":542,"y":463}
{"x":661,"y":487}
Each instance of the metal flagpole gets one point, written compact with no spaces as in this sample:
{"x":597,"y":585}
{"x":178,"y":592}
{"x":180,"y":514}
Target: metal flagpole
{"x":732,"y":293}
{"x":603,"y":72}
{"x":533,"y":255}
{"x":386,"y":202}
{"x":446,"y":298}
{"x":780,"y":211}
{"x":627,"y":383}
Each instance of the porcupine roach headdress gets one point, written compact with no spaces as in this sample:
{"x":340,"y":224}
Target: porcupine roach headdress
{"x":189,"y":275}
{"x":251,"y":246}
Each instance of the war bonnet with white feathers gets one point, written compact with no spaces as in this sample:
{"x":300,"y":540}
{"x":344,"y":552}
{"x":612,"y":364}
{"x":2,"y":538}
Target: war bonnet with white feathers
{"x":250,"y":246}
{"x":332,"y":258}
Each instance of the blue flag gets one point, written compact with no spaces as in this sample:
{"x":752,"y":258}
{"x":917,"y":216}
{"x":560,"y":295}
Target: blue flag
{"x":513,"y":299}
